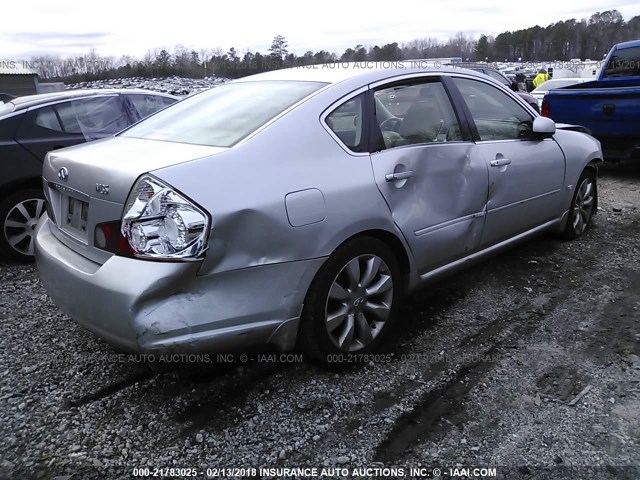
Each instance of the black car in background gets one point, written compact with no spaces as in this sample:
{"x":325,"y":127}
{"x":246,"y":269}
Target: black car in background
{"x":31,"y":126}
{"x":5,"y":97}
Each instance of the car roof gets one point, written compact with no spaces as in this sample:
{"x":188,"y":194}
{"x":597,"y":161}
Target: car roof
{"x":28,"y":101}
{"x":629,"y":44}
{"x":367,"y":72}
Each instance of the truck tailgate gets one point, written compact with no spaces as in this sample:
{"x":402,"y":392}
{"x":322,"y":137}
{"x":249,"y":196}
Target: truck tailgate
{"x":610,"y":112}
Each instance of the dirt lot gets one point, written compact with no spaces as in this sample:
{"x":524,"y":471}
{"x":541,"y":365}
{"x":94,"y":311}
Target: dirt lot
{"x":481,"y":372}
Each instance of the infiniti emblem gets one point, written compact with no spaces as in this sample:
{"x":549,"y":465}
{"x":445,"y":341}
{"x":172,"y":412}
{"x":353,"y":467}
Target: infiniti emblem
{"x":63,"y":174}
{"x":358,"y":301}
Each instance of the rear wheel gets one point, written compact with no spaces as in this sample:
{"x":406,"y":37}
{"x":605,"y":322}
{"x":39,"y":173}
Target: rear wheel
{"x":583,"y":205}
{"x":352,"y":301}
{"x":19,"y":215}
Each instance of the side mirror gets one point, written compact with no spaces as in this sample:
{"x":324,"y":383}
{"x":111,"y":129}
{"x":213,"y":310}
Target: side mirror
{"x":543,"y":127}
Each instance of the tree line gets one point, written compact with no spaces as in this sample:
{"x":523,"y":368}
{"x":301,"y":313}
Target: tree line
{"x":564,"y":40}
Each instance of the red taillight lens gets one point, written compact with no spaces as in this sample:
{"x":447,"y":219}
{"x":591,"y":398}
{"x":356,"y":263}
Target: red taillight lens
{"x":546,"y":109}
{"x":108,"y":236}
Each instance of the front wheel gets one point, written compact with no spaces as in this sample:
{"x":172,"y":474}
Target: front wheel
{"x":352,"y":301}
{"x":583,"y":205}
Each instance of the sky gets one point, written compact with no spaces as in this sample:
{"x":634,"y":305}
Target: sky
{"x":68,"y":27}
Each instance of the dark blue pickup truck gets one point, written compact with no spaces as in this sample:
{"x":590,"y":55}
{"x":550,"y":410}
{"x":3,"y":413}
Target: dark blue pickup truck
{"x":608,"y":106}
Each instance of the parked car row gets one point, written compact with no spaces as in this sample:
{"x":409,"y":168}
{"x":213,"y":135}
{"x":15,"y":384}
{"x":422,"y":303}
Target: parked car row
{"x":298,"y":207}
{"x":33,"y":125}
{"x":173,"y":85}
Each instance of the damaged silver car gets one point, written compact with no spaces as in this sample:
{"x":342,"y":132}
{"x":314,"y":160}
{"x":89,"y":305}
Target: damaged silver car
{"x":298,"y":207}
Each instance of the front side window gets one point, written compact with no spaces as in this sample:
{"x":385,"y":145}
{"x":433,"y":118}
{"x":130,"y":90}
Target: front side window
{"x":99,"y":117}
{"x":144,"y":105}
{"x":414,"y":113}
{"x":496,"y":115}
{"x":224,"y":115}
{"x":347,"y":122}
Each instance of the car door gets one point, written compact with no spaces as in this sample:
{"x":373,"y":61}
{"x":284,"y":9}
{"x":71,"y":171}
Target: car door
{"x":526,"y":174}
{"x":424,"y":166}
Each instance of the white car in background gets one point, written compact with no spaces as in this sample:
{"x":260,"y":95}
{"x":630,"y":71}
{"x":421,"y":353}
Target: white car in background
{"x":554,"y":83}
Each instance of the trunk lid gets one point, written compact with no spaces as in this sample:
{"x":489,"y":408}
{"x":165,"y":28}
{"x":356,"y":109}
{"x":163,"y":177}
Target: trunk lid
{"x":89,"y":184}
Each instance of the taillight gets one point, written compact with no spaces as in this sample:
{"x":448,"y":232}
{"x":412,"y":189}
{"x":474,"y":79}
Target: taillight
{"x":546,"y":109}
{"x":161,"y":223}
{"x":107,"y":236}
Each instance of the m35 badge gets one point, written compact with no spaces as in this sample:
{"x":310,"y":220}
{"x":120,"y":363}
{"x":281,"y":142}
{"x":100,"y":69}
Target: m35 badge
{"x":102,"y":188}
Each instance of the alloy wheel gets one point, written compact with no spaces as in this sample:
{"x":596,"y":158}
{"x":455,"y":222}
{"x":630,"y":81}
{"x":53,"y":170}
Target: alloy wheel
{"x":359,"y":302}
{"x":583,"y":206}
{"x":20,"y":223}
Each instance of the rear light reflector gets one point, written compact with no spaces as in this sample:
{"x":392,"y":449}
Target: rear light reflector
{"x":108,"y":237}
{"x":546,"y":109}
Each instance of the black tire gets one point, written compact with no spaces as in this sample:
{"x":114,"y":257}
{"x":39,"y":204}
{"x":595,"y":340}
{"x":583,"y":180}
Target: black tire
{"x":583,"y":206}
{"x":19,"y":213}
{"x":371,"y":310}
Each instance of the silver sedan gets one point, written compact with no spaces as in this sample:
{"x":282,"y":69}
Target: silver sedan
{"x":297,"y":207}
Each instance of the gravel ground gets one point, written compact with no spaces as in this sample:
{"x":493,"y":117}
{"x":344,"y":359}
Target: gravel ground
{"x":480,"y":372}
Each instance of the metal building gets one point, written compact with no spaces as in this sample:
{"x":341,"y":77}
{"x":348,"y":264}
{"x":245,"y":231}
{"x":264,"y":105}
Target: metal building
{"x":17,"y":80}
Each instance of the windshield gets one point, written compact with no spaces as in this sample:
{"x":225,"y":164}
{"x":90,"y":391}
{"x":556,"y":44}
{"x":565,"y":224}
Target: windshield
{"x":624,"y":62}
{"x":224,"y":115}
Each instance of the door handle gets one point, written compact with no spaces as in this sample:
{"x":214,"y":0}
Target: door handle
{"x":500,"y":162}
{"x":609,"y":109}
{"x":392,"y":177}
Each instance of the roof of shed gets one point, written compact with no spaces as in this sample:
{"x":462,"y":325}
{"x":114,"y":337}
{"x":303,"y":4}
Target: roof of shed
{"x":12,"y":67}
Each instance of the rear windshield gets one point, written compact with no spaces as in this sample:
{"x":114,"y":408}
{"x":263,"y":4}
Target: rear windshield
{"x":624,"y":62}
{"x":224,"y":115}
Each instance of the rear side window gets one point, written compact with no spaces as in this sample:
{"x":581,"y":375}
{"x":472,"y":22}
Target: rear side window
{"x":68,"y":118}
{"x":224,"y":115}
{"x":347,"y":121}
{"x":46,"y":118}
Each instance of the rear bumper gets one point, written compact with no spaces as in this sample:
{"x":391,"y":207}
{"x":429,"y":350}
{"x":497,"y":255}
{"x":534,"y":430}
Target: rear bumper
{"x":154,"y":307}
{"x":620,"y":148}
